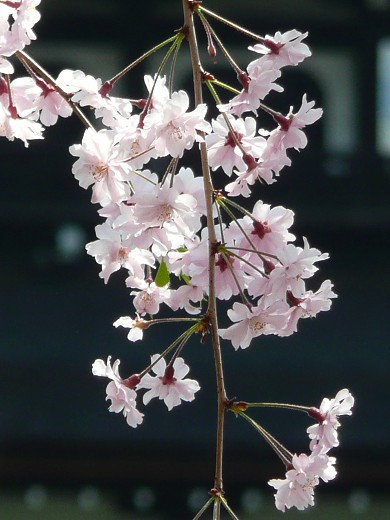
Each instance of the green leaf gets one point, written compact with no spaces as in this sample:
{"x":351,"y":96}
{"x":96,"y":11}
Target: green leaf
{"x":162,"y":276}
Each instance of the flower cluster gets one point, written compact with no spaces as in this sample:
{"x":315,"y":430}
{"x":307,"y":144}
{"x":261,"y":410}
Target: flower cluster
{"x":180,"y":238}
{"x":167,"y":384}
{"x":305,"y":471}
{"x":17,"y":19}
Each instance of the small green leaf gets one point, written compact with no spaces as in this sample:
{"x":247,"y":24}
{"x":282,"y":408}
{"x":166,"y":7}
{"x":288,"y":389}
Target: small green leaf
{"x":162,"y":276}
{"x":185,"y":278}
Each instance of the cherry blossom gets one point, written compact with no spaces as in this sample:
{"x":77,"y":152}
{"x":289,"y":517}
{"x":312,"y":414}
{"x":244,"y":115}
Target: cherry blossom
{"x":98,"y":164}
{"x":149,"y":299}
{"x":295,"y":264}
{"x":289,"y":133}
{"x":222,"y":147}
{"x":16,"y":22}
{"x":309,"y":305}
{"x":165,"y":207}
{"x":177,"y":129}
{"x":136,"y":326}
{"x":297,"y":489}
{"x":266,"y":228}
{"x":251,"y":323}
{"x":284,"y":49}
{"x":113,"y":252}
{"x":156,"y":224}
{"x":324,"y":434}
{"x":160,"y":95}
{"x":168,"y":384}
{"x":12,"y":126}
{"x":27,"y":17}
{"x":120,"y":392}
{"x":259,"y":82}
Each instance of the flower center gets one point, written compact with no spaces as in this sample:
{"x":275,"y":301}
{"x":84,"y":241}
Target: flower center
{"x":99,"y":172}
{"x":122,"y":254}
{"x":166,"y":213}
{"x":175,"y":132}
{"x":256,"y":324}
{"x":260,"y":229}
{"x":230,"y":141}
{"x":135,"y":148}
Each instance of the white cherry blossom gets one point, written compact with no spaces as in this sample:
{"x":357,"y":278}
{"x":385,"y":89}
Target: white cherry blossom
{"x":136,"y":326}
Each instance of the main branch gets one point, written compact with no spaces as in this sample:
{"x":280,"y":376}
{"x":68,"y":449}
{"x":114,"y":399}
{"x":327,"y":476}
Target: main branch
{"x":212,"y":307}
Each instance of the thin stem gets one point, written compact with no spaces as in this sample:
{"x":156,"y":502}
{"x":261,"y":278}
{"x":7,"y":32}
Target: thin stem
{"x":212,"y":307}
{"x":177,"y":41}
{"x":182,"y":338}
{"x":244,"y":299}
{"x":140,"y":59}
{"x":229,"y":58}
{"x":217,"y":509}
{"x":231,"y":24}
{"x":245,"y":261}
{"x":283,"y":453}
{"x":232,"y":132}
{"x":228,"y":509}
{"x":225,"y":86}
{"x":201,"y":511}
{"x":173,"y":65}
{"x":25,"y":59}
{"x":287,"y":406}
{"x":233,"y":217}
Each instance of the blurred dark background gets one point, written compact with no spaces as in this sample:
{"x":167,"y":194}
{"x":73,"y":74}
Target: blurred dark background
{"x":56,"y":314}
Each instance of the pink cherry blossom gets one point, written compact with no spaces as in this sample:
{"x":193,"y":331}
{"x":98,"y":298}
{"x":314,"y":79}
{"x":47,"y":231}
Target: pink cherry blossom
{"x":160,"y":94}
{"x":289,"y":133}
{"x":251,"y":323}
{"x":177,"y":129}
{"x":27,"y":17}
{"x":112,"y":252}
{"x":98,"y":164}
{"x":120,"y":392}
{"x":164,"y":206}
{"x":262,"y":170}
{"x":309,"y":305}
{"x":12,"y":126}
{"x":283,"y":49}
{"x":260,"y":80}
{"x":184,"y":296}
{"x":168,"y":384}
{"x":295,"y":265}
{"x":148,"y":300}
{"x":223,"y":150}
{"x":297,"y":489}
{"x":266,"y":228}
{"x":324,"y":434}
